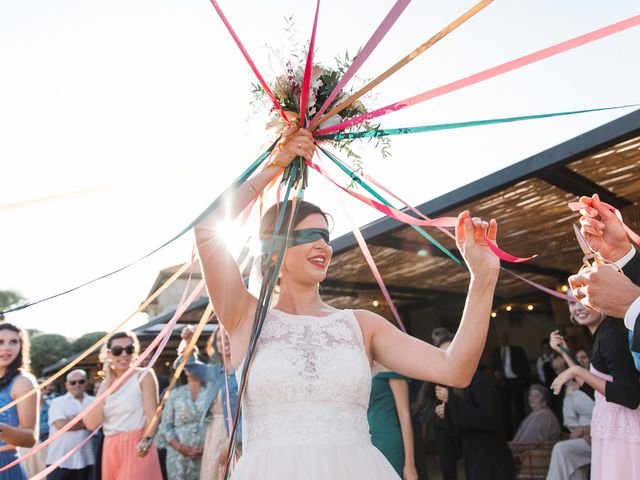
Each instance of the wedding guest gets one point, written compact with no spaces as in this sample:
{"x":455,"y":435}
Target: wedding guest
{"x":125,"y":413}
{"x":546,"y":355}
{"x":541,"y":425}
{"x":390,"y":420}
{"x":473,"y":413}
{"x":183,"y":429}
{"x":601,"y":287}
{"x":63,"y":409}
{"x":221,"y":402}
{"x":18,"y":424}
{"x":447,"y":445}
{"x":511,"y":368}
{"x":570,"y":458}
{"x":615,"y":383}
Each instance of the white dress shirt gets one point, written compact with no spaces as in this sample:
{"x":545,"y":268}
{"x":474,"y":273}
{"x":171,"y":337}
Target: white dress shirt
{"x":61,"y":408}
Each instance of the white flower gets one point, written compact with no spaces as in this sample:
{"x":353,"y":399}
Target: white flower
{"x":333,"y":120}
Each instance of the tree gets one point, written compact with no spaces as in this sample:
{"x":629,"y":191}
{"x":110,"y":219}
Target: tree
{"x":8,"y":299}
{"x":85,"y":341}
{"x":47,"y":349}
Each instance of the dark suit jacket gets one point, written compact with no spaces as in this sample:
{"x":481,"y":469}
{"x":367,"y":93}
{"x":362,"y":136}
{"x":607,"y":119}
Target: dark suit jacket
{"x":632,"y":270}
{"x":474,"y":415}
{"x":519,"y":363}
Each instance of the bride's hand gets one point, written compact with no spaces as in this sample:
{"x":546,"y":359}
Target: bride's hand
{"x":469,"y":238}
{"x":297,"y":142}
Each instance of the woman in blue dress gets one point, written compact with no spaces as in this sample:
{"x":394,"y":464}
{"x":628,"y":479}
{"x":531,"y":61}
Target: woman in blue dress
{"x":18,"y":424}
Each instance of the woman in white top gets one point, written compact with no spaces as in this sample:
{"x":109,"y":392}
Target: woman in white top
{"x":305,"y":408}
{"x":126,"y":413}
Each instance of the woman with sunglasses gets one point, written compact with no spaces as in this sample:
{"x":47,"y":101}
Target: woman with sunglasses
{"x":125,"y":414}
{"x":18,"y":424}
{"x":305,"y":409}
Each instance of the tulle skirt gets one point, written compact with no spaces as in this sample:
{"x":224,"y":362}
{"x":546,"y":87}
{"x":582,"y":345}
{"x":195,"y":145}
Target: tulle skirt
{"x":315,"y":462}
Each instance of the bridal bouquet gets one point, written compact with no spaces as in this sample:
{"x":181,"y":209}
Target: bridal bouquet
{"x":287,"y":86}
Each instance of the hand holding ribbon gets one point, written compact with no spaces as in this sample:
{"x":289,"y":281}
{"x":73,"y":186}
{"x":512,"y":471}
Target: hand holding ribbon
{"x":470,"y":239}
{"x":602,"y":226}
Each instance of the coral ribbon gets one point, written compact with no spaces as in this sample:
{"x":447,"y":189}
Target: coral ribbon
{"x":489,"y":73}
{"x":114,"y":386}
{"x":374,"y":269}
{"x":99,"y":342}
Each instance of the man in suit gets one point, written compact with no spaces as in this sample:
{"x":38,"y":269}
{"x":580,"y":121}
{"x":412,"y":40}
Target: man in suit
{"x":511,"y":368}
{"x":602,"y":287}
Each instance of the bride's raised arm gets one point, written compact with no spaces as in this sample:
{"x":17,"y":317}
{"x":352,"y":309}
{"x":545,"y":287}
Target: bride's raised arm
{"x":417,"y":359}
{"x":231,"y":300}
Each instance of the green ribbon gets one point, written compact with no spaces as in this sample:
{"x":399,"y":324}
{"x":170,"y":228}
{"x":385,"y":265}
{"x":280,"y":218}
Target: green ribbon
{"x":207,"y":211}
{"x":356,"y":178}
{"x":451,"y":126}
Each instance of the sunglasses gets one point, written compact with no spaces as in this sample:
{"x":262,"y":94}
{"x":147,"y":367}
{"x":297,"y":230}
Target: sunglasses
{"x":79,"y":382}
{"x":117,"y":350}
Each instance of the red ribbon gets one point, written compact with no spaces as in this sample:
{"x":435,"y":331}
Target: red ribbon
{"x":425,"y":222}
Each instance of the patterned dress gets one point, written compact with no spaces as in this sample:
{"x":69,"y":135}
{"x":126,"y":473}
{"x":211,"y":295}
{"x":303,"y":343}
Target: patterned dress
{"x":182,"y":420}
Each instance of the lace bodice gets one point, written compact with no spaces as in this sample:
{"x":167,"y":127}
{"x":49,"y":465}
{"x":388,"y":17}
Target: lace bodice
{"x":309,"y":382}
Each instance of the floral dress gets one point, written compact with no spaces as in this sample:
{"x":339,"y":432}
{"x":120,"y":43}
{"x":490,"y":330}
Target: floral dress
{"x":182,"y":420}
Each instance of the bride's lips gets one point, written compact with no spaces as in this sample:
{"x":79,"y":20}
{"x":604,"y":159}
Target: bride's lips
{"x":318,"y":261}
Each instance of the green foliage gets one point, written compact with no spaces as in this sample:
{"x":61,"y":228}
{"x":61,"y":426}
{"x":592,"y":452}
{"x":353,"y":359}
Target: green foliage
{"x":47,"y":349}
{"x":85,"y":341}
{"x":9,"y":299}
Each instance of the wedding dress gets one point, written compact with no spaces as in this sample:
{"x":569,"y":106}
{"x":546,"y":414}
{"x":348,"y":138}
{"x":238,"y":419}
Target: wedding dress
{"x":305,"y":406}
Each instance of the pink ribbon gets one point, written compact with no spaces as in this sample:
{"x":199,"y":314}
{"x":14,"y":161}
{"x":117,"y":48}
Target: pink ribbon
{"x":490,"y":73}
{"x":363,"y":55}
{"x":115,"y":385}
{"x":577,"y":206}
{"x":306,"y":81}
{"x":180,"y":309}
{"x":43,"y":474}
{"x":247,"y":57}
{"x":374,"y":270}
{"x":425,"y":222}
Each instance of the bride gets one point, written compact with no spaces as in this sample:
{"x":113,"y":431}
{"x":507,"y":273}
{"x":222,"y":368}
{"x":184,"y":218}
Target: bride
{"x":305,"y":407}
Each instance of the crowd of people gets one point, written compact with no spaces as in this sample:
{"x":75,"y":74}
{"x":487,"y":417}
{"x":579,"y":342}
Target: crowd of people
{"x":330,"y":391}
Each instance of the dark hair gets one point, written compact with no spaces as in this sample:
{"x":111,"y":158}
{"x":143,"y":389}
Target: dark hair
{"x":270,"y":217}
{"x":130,"y":335}
{"x":21,"y":363}
{"x":124,"y":334}
{"x":303,"y":210}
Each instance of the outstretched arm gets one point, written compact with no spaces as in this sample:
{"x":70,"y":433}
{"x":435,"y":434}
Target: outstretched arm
{"x":414,"y":358}
{"x":231,"y":299}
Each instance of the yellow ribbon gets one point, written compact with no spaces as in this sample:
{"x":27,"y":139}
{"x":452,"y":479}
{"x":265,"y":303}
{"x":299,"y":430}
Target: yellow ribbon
{"x":185,"y":357}
{"x":89,"y":350}
{"x":415,"y":53}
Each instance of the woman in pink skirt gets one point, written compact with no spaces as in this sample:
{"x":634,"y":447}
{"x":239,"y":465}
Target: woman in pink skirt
{"x":127,"y":452}
{"x":614,"y":383}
